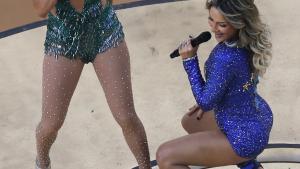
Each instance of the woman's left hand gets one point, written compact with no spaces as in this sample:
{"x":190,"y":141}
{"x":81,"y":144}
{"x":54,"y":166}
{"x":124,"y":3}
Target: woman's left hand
{"x":196,"y":109}
{"x":186,"y":49}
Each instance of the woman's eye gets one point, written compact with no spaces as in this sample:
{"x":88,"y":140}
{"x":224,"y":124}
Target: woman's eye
{"x":223,"y":25}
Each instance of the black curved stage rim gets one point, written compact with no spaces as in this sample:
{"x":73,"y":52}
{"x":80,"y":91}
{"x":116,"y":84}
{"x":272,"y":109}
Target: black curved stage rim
{"x":270,"y":146}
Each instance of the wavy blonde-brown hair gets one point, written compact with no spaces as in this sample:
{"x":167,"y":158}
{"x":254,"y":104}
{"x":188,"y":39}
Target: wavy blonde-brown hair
{"x":253,"y":34}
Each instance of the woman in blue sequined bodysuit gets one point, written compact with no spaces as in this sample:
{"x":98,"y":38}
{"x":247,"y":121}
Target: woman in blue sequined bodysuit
{"x":231,"y":123}
{"x":79,"y":32}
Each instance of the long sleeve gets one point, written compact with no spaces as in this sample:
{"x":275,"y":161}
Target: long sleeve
{"x":209,"y":93}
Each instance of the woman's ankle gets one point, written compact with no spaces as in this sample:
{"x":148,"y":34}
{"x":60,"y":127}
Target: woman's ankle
{"x":43,"y":162}
{"x":251,"y":164}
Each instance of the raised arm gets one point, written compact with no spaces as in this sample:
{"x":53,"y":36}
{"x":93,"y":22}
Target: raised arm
{"x":43,"y":6}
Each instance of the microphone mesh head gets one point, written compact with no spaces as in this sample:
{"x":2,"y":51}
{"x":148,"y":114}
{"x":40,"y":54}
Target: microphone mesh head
{"x":205,"y":36}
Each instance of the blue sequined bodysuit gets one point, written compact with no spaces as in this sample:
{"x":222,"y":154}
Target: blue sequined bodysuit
{"x":83,"y":35}
{"x":241,"y":114}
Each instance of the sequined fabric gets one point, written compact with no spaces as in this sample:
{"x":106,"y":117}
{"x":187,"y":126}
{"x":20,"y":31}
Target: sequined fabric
{"x":83,"y":34}
{"x":230,"y":90}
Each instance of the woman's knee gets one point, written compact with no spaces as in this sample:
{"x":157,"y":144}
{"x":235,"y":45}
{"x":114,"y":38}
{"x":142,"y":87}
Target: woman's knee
{"x":163,"y":156}
{"x":127,"y":120}
{"x":48,"y":127}
{"x":207,"y":122}
{"x":185,"y":123}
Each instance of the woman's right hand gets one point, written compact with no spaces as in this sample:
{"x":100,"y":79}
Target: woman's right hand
{"x":44,"y":6}
{"x":186,"y":50}
{"x":53,"y":11}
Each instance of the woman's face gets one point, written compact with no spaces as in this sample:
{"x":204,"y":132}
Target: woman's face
{"x":222,"y":29}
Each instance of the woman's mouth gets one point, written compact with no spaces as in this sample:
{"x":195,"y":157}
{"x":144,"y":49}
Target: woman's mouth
{"x":218,"y":35}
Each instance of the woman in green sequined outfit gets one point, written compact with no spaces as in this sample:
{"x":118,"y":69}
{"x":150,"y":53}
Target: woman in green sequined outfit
{"x":79,"y":32}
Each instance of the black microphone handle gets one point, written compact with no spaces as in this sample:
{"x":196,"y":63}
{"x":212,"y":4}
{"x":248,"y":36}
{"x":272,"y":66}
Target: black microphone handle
{"x":175,"y":53}
{"x":203,"y":37}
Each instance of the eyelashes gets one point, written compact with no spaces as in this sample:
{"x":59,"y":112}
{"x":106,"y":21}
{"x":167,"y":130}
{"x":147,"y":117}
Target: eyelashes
{"x":223,"y":25}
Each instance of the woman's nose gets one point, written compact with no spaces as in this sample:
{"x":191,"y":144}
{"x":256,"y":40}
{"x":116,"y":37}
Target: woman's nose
{"x":213,"y":27}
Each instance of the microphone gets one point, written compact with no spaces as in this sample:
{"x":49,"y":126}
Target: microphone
{"x":203,"y":37}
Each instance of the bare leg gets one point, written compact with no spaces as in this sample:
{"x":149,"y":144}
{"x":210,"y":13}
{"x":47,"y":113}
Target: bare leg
{"x":208,"y":148}
{"x":206,"y":123}
{"x":113,"y":71}
{"x":60,"y":78}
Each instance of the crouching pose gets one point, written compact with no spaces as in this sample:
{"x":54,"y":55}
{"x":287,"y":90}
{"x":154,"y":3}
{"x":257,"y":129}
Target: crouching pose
{"x":231,"y":122}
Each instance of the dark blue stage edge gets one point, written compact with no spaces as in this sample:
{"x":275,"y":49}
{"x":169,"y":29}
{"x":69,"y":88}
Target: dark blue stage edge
{"x":270,"y":146}
{"x":117,"y":7}
{"x":22,"y":28}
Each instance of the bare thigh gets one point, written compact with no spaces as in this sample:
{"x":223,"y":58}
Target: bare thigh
{"x":113,"y":70}
{"x":206,"y":123}
{"x":208,"y":148}
{"x":60,"y":77}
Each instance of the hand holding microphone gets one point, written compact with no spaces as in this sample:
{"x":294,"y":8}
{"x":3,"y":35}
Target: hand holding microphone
{"x":188,"y":46}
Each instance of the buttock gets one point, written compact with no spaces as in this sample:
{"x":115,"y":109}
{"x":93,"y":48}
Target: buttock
{"x":247,"y":127}
{"x":82,"y":35}
{"x":247,"y":139}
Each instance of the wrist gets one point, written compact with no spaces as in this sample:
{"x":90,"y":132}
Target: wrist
{"x":190,"y":58}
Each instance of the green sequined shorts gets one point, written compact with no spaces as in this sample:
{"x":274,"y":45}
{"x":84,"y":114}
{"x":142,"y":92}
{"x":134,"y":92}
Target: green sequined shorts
{"x":82,"y":35}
